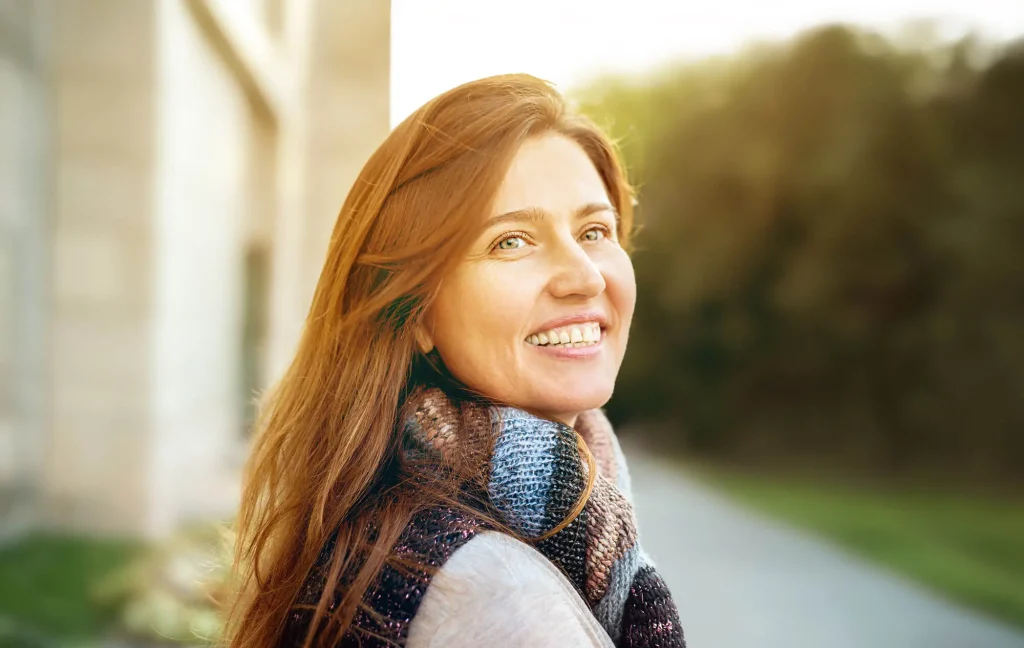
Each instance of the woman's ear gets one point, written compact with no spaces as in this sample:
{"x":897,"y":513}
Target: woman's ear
{"x":423,"y":339}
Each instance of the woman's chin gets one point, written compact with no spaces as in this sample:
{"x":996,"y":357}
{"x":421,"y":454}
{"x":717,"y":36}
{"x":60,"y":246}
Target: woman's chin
{"x":570,"y":404}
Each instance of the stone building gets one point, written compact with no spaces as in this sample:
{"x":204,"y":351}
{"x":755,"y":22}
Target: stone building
{"x":170,"y":171}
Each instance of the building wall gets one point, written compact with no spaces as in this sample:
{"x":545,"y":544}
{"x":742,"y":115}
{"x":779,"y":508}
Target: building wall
{"x":99,"y":435}
{"x":200,"y":152}
{"x":204,"y":130}
{"x":25,"y":189}
{"x":346,"y":94}
{"x":348,"y":100}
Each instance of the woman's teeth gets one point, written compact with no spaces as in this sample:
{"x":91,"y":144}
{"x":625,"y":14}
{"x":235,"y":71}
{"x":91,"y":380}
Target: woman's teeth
{"x":576,"y":335}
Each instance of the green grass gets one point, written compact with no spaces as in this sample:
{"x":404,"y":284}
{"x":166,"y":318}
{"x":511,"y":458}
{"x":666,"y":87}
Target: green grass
{"x":969,"y":549}
{"x":47,"y":585}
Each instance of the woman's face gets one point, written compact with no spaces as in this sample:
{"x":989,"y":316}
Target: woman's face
{"x":537,"y":315}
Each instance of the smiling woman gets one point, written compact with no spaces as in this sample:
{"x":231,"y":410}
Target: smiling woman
{"x":434,"y":467}
{"x":550,"y":264}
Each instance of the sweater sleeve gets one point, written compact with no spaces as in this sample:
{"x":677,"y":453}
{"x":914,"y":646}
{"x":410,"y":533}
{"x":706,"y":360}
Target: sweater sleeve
{"x":496,"y":590}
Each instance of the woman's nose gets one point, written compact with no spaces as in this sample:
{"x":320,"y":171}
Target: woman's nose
{"x":575,"y":273}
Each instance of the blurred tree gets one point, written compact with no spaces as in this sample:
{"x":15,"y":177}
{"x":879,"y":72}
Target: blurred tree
{"x":829,"y":266}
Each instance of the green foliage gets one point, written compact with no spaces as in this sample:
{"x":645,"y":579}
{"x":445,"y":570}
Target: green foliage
{"x":64,"y":590}
{"x":828,"y":265}
{"x":47,"y":587}
{"x":173,"y":591}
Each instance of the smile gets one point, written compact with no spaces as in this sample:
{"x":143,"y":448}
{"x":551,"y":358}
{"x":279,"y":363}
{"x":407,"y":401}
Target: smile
{"x":573,"y":335}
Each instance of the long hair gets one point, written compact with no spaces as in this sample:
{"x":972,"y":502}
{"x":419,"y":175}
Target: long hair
{"x":326,"y":461}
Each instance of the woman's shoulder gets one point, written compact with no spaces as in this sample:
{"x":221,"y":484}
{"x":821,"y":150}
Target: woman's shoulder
{"x":497,"y":586}
{"x":430,"y":538}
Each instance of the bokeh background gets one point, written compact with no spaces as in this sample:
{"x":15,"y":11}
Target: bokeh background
{"x":823,"y":398}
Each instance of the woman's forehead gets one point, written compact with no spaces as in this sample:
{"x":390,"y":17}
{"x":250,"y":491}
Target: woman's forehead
{"x":550,"y":173}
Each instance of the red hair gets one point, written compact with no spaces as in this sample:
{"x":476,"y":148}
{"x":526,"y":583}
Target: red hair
{"x":325,"y":458}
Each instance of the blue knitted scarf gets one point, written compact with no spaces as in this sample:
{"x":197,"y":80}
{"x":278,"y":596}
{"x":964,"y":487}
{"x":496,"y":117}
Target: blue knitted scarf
{"x":536,"y":472}
{"x":537,"y":476}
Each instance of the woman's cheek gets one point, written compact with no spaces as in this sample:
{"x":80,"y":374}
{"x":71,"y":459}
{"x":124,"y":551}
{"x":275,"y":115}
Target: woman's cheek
{"x":621,"y":280}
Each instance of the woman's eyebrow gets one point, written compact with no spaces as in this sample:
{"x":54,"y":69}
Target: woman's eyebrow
{"x":536,"y":214}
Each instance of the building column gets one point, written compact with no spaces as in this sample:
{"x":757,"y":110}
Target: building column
{"x":98,"y":458}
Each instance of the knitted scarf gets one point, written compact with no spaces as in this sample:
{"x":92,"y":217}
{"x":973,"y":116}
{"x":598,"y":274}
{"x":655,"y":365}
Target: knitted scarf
{"x":536,"y":477}
{"x":533,"y":477}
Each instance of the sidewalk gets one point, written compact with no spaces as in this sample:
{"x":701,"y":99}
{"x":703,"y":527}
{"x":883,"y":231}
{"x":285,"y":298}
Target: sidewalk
{"x":741,"y":580}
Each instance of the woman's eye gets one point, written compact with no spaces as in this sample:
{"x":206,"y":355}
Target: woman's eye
{"x":594,"y":234}
{"x":511,"y":243}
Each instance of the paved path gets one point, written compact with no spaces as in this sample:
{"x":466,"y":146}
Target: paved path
{"x":742,"y":581}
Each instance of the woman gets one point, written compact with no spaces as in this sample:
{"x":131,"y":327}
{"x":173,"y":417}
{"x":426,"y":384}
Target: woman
{"x":433,"y":469}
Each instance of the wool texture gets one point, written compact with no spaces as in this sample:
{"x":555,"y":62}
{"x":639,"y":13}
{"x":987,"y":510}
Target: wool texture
{"x":535,"y":474}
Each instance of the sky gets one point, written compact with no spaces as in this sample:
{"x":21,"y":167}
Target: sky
{"x":438,"y":44}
